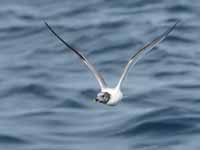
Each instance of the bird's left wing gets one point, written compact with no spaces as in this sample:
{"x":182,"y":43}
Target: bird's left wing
{"x":97,"y":75}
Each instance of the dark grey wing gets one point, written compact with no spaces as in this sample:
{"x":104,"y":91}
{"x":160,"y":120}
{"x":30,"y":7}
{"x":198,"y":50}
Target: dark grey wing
{"x":141,"y":52}
{"x":99,"y":78}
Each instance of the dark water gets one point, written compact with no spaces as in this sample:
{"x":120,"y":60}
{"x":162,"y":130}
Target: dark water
{"x":46,"y":94}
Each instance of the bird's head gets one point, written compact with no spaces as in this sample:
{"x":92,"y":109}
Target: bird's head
{"x":103,"y":97}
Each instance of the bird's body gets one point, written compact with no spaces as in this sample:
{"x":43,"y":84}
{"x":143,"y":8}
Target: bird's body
{"x":115,"y":95}
{"x":112,"y":96}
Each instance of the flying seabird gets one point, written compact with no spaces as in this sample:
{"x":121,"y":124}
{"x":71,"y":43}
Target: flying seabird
{"x":111,"y":96}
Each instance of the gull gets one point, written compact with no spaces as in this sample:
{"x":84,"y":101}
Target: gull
{"x":107,"y":95}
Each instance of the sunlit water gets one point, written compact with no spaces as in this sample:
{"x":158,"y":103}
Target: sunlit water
{"x":47,"y":94}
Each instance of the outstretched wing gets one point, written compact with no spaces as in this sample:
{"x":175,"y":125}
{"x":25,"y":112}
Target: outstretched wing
{"x":141,"y":52}
{"x":99,"y":78}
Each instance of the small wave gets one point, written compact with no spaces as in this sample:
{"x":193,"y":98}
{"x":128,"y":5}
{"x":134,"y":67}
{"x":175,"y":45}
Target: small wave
{"x":9,"y":139}
{"x":159,"y":123}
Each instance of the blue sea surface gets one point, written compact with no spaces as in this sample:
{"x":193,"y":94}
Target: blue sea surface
{"x":46,"y":93}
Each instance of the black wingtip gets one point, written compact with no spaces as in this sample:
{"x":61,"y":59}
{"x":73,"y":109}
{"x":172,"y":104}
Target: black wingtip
{"x":48,"y":26}
{"x":45,"y":22}
{"x":165,"y":34}
{"x":64,"y":42}
{"x":178,"y":21}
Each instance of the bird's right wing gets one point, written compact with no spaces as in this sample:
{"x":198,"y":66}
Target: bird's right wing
{"x":141,"y":52}
{"x":97,"y":75}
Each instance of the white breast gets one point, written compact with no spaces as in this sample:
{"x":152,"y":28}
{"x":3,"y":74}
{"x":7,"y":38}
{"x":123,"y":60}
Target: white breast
{"x":116,"y":95}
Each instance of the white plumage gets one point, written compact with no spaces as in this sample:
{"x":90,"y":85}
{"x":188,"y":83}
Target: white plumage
{"x":115,"y":95}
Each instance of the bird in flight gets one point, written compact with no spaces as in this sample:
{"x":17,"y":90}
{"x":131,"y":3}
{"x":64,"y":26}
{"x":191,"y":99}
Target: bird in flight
{"x":107,"y":95}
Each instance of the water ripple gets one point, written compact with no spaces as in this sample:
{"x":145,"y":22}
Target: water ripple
{"x":46,"y":95}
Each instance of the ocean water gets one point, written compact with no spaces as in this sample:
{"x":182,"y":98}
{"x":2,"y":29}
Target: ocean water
{"x":46,"y":94}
